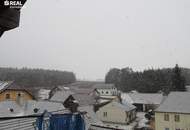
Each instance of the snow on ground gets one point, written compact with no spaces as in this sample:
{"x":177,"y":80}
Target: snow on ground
{"x":142,"y":120}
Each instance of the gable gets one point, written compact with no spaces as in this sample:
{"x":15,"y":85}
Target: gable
{"x":14,"y":93}
{"x":118,"y":106}
{"x":109,"y":106}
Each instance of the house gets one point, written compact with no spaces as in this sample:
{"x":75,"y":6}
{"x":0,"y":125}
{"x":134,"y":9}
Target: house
{"x":61,"y":96}
{"x":12,"y":92}
{"x":106,"y":92}
{"x":83,"y":96}
{"x":174,"y":112}
{"x":143,"y":101}
{"x":101,"y":91}
{"x":117,"y":113}
{"x":106,"y":89}
{"x":66,"y":97}
{"x":43,"y":94}
{"x":84,"y":99}
{"x":89,"y":87}
{"x":54,"y":90}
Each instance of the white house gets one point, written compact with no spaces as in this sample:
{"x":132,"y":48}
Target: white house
{"x":43,"y":94}
{"x":143,"y":101}
{"x":106,"y":89}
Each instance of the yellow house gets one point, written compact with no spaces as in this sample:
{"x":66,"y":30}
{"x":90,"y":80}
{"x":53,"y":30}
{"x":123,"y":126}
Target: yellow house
{"x":174,"y":112}
{"x":114,"y":112}
{"x":12,"y":92}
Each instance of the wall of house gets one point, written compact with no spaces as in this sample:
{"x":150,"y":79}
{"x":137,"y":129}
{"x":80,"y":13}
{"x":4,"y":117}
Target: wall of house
{"x":161,"y":124}
{"x":114,"y":114}
{"x":14,"y":95}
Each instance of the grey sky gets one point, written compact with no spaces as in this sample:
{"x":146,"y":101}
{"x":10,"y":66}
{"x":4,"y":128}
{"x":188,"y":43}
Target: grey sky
{"x":91,"y":36}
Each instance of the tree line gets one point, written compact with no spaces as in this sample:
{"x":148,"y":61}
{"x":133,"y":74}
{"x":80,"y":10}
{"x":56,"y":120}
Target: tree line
{"x":150,"y":80}
{"x":37,"y":77}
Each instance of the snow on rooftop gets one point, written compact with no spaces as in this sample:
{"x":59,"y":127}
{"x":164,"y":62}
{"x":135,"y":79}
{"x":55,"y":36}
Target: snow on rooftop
{"x":3,"y":85}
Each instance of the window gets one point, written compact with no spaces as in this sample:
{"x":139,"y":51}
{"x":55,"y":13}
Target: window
{"x":19,"y":94}
{"x":106,"y":92}
{"x":167,"y":129}
{"x":126,"y":119}
{"x":105,"y":114}
{"x":7,"y":96}
{"x":177,"y":118}
{"x":166,"y":117}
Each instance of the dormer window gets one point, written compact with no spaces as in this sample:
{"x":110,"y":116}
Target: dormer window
{"x":20,"y":94}
{"x":7,"y":96}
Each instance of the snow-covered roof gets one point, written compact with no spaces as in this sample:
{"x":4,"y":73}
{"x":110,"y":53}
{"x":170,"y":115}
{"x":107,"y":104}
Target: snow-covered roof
{"x":104,"y":86}
{"x":31,"y":107}
{"x":126,"y":107}
{"x":3,"y":85}
{"x":41,"y":106}
{"x":84,"y":99}
{"x":178,"y":102}
{"x":61,"y":96}
{"x":126,"y":98}
{"x":142,"y":98}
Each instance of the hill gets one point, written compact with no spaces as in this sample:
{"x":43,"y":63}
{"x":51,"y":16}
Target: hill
{"x":149,"y":81}
{"x":37,"y":77}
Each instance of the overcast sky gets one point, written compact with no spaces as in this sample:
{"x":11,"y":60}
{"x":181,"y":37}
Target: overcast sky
{"x":89,"y":37}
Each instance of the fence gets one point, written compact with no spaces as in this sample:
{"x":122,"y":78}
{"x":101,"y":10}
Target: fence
{"x":18,"y":124}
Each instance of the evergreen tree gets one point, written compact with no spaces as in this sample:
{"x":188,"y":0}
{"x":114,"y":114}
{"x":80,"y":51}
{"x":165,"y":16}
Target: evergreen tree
{"x":113,"y":76}
{"x":178,"y":81}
